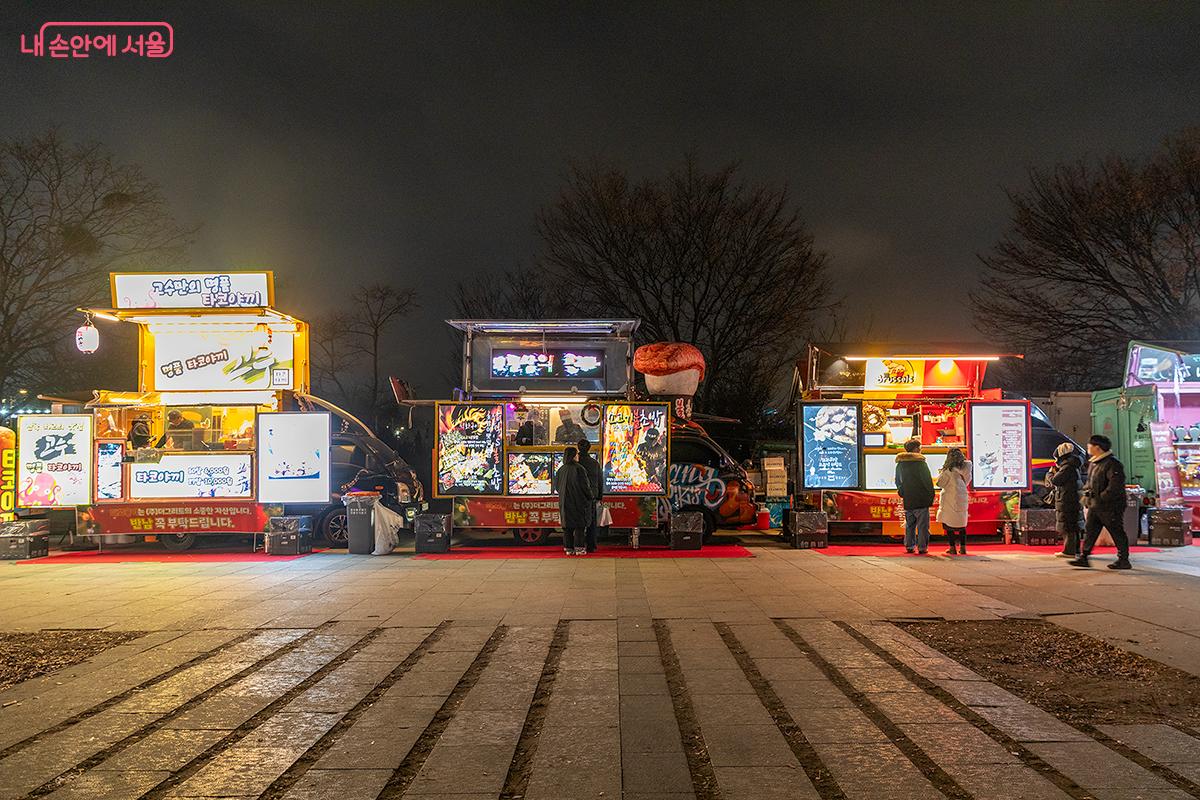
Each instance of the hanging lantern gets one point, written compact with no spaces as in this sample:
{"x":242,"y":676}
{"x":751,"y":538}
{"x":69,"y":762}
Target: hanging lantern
{"x":87,"y":338}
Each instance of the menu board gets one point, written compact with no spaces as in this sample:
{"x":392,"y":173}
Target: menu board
{"x":293,"y":458}
{"x":879,"y":470}
{"x":191,"y":289}
{"x":532,"y":473}
{"x":635,"y":448}
{"x":109,"y":475}
{"x":829,"y":445}
{"x":1166,"y":465}
{"x":199,"y":361}
{"x":224,"y":475}
{"x":470,"y":449}
{"x":555,"y":363}
{"x":54,"y":460}
{"x":1000,"y":449}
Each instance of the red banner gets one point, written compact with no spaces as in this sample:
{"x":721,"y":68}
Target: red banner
{"x":984,"y":508}
{"x":542,"y":512}
{"x":185,"y":516}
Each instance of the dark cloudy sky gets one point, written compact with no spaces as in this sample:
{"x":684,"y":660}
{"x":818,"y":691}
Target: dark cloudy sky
{"x":414,"y":142}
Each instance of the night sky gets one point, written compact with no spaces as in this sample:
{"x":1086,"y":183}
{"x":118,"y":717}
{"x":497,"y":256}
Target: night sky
{"x":415,"y":142}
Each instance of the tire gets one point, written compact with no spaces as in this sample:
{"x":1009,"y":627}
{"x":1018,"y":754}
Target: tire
{"x":710,"y":521}
{"x":177,"y":542}
{"x":334,"y":527}
{"x":530,"y":537}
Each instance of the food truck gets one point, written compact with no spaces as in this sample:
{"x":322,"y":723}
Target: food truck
{"x":530,"y":389}
{"x":221,"y":432}
{"x":856,"y":406}
{"x":1153,"y":420}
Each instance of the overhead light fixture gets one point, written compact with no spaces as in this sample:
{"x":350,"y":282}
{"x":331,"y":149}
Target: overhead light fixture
{"x":552,"y":400}
{"x":923,"y":357}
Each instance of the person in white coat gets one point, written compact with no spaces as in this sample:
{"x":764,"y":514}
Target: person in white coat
{"x":953,"y":479}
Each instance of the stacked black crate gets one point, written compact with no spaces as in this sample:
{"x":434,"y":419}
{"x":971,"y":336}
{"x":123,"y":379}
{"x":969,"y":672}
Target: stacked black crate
{"x":432,"y":532}
{"x":1169,"y":527}
{"x":289,"y":536}
{"x":24,"y":539}
{"x":808,"y":529}
{"x":1038,"y":529}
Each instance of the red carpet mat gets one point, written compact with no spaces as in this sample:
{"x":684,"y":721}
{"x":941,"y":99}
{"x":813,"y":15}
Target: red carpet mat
{"x":121,"y":556}
{"x":939,"y":548}
{"x":555,"y":551}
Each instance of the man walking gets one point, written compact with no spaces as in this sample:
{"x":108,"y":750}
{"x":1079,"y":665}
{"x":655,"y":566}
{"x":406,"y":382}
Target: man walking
{"x":914,"y":484}
{"x":1105,"y":499}
{"x":596,"y":479}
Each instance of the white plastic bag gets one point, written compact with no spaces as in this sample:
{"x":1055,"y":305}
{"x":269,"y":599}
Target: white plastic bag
{"x":387,"y":524}
{"x":603,"y":516}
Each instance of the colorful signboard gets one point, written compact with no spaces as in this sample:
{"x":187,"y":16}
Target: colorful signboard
{"x":227,"y":516}
{"x":894,"y":375}
{"x":470,"y":449}
{"x":542,"y":512}
{"x":54,"y":460}
{"x":552,"y":363}
{"x":178,"y":475}
{"x":999,"y":445}
{"x":635,"y":456}
{"x":830,"y":445}
{"x":899,"y":375}
{"x":293,"y":458}
{"x":8,"y":474}
{"x":200,"y":361}
{"x":1166,"y":465}
{"x":532,"y":473}
{"x":131,"y":290}
{"x":110,"y":476}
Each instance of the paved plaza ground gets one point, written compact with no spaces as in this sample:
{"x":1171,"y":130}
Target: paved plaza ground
{"x":777,"y":676}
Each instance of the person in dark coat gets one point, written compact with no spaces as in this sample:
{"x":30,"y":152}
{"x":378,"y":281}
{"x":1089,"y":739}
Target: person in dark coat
{"x":575,"y":502}
{"x":914,"y":484}
{"x":596,"y":480}
{"x":1105,"y":498}
{"x":1065,"y":479}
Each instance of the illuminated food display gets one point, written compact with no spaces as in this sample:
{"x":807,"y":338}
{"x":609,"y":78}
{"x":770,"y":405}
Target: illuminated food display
{"x":54,"y":460}
{"x":531,"y":473}
{"x":635,"y":448}
{"x":554,"y":363}
{"x":1000,"y":445}
{"x":293,"y":458}
{"x":830,"y":444}
{"x":470,"y":449}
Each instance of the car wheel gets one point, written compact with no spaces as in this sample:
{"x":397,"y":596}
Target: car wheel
{"x":335,"y":528}
{"x":177,"y":542}
{"x":530,"y":536}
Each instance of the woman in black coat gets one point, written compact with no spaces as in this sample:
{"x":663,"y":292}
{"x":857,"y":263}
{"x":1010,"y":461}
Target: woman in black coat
{"x":1066,"y":479}
{"x":576,"y":502}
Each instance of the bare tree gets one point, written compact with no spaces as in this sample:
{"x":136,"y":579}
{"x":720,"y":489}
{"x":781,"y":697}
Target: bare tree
{"x":334,"y":358}
{"x":699,"y":257}
{"x":1099,"y":252}
{"x":68,"y":215}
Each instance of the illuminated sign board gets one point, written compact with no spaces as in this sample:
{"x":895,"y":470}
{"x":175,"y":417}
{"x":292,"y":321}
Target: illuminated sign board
{"x":218,"y":475}
{"x":54,"y":460}
{"x":829,"y":445}
{"x":635,"y":448}
{"x":561,"y":363}
{"x":879,"y":470}
{"x":1000,"y":445}
{"x":110,"y":478}
{"x":532,"y":473}
{"x":132,"y":290}
{"x":293,"y":458}
{"x":8,"y":474}
{"x":200,"y":361}
{"x":470,"y":449}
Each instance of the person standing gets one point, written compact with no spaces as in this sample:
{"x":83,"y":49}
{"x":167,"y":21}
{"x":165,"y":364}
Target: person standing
{"x":596,"y":480}
{"x":953,"y":479}
{"x":914,"y":484}
{"x":1105,"y":498}
{"x":1065,"y":478}
{"x":575,"y":502}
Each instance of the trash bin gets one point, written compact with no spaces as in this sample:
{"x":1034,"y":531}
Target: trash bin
{"x":1133,"y":513}
{"x":360,"y":522}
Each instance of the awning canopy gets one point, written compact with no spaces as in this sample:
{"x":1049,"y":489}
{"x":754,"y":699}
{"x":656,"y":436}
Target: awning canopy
{"x":178,"y":317}
{"x":964,"y":351}
{"x":557,"y":327}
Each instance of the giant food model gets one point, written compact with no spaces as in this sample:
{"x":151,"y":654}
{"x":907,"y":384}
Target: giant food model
{"x":670,"y":368}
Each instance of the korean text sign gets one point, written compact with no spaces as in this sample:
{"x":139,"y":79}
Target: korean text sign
{"x":635,"y":448}
{"x":54,"y":460}
{"x":192,"y":475}
{"x":293,"y":458}
{"x":191,"y":289}
{"x":829,"y":445}
{"x":1000,"y":445}
{"x":8,"y":473}
{"x":223,"y":360}
{"x":470,"y":449}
